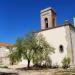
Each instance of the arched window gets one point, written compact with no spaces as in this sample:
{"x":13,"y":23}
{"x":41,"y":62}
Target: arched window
{"x":61,"y":49}
{"x":46,"y":22}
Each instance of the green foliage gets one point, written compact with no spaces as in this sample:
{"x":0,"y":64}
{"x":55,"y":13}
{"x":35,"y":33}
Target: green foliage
{"x":43,"y":49}
{"x":3,"y":66}
{"x":66,"y":62}
{"x":31,"y":47}
{"x":48,"y":62}
{"x":15,"y":53}
{"x":13,"y":57}
{"x":18,"y":50}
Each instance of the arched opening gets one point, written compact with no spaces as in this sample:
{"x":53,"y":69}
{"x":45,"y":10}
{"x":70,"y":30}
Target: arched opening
{"x":46,"y":22}
{"x":61,"y":49}
{"x":53,"y":22}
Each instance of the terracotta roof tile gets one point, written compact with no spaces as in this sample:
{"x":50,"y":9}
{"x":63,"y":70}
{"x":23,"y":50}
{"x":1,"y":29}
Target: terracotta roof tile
{"x":5,"y":44}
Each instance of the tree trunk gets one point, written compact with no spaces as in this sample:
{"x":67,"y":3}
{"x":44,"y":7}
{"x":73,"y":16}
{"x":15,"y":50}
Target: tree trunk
{"x":28,"y":64}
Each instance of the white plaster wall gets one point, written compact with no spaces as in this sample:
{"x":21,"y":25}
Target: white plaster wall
{"x":57,"y":37}
{"x":69,"y":46}
{"x":73,"y":44}
{"x":4,"y":52}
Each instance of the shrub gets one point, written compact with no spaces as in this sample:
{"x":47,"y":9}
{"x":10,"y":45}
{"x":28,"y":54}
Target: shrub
{"x":3,"y":66}
{"x":37,"y":65}
{"x":66,"y":62}
{"x":48,"y":62}
{"x":55,"y":66}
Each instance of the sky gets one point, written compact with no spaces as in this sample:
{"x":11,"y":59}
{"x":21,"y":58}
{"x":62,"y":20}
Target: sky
{"x":19,"y":17}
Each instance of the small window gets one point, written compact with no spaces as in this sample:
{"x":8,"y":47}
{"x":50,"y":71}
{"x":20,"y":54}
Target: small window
{"x":61,"y":48}
{"x":46,"y":22}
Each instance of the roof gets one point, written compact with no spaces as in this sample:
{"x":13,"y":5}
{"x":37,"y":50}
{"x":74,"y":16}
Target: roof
{"x":47,"y":9}
{"x":6,"y":44}
{"x":71,"y":27}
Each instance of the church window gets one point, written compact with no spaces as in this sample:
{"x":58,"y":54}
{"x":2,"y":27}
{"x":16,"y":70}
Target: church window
{"x":61,"y":48}
{"x":46,"y":22}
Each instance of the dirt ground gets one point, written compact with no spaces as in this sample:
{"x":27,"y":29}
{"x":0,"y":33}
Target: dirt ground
{"x":27,"y":72}
{"x":38,"y":72}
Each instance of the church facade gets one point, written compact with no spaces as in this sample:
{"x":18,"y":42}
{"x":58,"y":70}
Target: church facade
{"x":62,"y":37}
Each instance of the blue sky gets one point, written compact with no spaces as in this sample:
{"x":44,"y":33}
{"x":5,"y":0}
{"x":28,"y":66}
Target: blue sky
{"x":18,"y":17}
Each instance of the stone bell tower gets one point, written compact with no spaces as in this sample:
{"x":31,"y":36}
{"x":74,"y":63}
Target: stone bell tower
{"x":48,"y":18}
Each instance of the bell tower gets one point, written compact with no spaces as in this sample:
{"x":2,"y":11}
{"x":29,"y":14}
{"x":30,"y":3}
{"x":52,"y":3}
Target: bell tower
{"x":48,"y":18}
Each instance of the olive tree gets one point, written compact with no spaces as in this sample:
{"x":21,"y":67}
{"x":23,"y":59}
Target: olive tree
{"x":33,"y":47}
{"x":16,"y":52}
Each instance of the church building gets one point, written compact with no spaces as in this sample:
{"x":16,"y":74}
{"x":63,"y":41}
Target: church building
{"x":62,"y":37}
